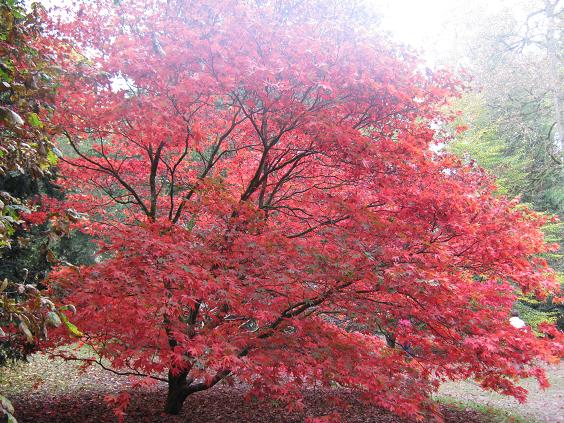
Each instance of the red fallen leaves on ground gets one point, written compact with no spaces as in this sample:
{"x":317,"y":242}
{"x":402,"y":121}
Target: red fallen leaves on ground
{"x":220,"y":405}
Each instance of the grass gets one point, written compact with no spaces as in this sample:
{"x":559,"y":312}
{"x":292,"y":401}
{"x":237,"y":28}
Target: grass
{"x":494,"y":414}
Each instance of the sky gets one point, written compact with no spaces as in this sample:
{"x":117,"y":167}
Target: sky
{"x":427,"y":25}
{"x":413,"y":21}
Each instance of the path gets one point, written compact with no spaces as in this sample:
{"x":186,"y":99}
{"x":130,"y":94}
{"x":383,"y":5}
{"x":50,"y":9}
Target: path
{"x":542,"y":405}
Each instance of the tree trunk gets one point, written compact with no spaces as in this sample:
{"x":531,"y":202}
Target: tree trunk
{"x":177,"y":393}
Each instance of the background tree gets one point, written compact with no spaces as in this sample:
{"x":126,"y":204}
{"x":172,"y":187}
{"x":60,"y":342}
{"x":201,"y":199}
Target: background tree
{"x":272,"y":182}
{"x":513,"y":109}
{"x":514,"y":74}
{"x":27,"y":159}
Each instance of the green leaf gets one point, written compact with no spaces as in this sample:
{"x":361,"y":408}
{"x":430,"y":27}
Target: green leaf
{"x":18,"y":13}
{"x":5,"y":226}
{"x":191,"y":223}
{"x":52,"y":158}
{"x":34,"y":120}
{"x":6,"y":68}
{"x":71,"y":328}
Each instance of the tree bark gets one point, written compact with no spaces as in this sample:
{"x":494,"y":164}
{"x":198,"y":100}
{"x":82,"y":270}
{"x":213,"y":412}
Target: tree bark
{"x":177,"y":393}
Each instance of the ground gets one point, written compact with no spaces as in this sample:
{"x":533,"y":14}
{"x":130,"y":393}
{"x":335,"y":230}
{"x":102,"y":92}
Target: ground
{"x":47,"y":391}
{"x":542,"y":405}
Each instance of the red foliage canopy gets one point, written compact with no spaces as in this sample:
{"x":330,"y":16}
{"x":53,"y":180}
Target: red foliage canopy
{"x":262,"y":184}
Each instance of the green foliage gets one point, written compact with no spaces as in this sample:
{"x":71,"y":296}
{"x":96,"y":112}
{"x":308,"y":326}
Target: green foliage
{"x":534,"y":317}
{"x":483,"y":143}
{"x":519,"y":158}
{"x":554,"y":234}
{"x":27,"y":164}
{"x":27,"y":79}
{"x":34,"y":120}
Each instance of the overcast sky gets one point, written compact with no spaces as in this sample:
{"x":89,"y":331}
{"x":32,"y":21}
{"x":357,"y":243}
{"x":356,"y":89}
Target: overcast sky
{"x":413,"y":21}
{"x":427,"y":25}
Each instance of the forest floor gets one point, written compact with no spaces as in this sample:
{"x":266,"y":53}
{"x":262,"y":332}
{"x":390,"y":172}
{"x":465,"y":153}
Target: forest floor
{"x":53,"y":391}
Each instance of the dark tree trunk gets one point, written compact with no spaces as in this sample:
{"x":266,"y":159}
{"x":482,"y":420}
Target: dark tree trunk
{"x":177,"y":393}
{"x":180,"y":386}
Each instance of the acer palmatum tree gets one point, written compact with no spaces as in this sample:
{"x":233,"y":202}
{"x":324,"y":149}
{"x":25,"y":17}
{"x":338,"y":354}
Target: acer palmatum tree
{"x":270,"y":211}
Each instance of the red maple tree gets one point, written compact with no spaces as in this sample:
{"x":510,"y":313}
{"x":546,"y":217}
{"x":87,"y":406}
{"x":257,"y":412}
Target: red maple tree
{"x":269,"y":209}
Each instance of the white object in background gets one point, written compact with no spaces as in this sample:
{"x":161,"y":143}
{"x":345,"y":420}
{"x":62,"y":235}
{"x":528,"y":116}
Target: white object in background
{"x":517,"y":322}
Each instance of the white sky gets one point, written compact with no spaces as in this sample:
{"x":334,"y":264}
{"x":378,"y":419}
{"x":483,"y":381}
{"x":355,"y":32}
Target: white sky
{"x":412,"y":21}
{"x":427,"y":25}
